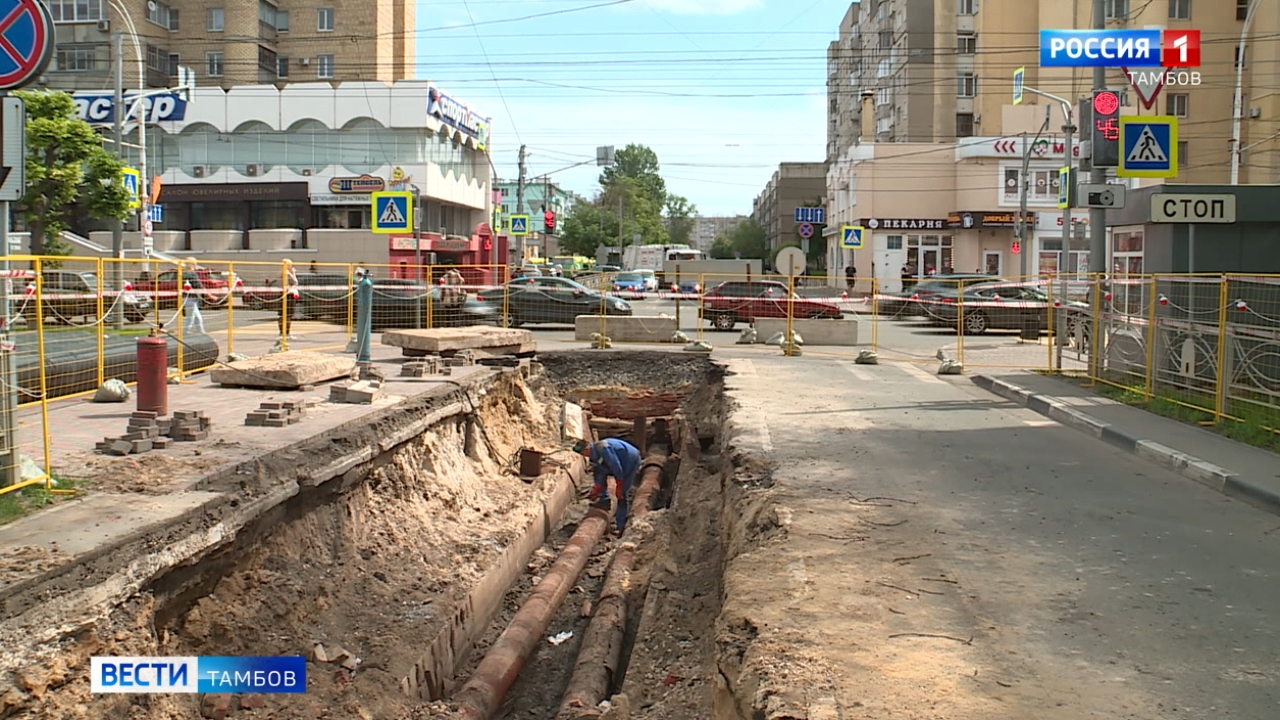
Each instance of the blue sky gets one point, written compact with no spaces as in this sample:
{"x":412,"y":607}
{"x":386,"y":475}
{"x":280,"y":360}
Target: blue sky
{"x":641,"y":71}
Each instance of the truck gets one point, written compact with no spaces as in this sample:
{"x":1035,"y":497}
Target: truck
{"x":656,"y":257}
{"x":699,"y":276}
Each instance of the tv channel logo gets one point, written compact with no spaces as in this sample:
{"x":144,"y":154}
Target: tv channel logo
{"x":1120,"y":48}
{"x":163,"y":675}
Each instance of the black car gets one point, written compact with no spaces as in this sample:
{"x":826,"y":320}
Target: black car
{"x":907,"y":302}
{"x":551,"y":300}
{"x":67,"y":295}
{"x":1002,"y":307}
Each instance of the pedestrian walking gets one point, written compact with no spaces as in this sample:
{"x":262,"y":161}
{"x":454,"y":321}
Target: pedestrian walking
{"x":850,"y":276}
{"x":190,"y":300}
{"x":287,"y":304}
{"x":614,"y":458}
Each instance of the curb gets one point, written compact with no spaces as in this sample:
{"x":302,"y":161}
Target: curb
{"x":1206,"y":473}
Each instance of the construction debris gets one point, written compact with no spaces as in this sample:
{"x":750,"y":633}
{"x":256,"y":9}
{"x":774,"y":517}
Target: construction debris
{"x":950,"y":367}
{"x":148,"y":431}
{"x":274,"y":413}
{"x":867,"y":357}
{"x":364,"y":392}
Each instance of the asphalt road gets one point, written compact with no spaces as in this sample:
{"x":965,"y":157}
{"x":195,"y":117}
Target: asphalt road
{"x":1091,"y":583}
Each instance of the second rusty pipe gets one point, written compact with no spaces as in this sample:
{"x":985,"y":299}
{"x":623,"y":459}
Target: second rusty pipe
{"x":484,"y":692}
{"x":651,"y":471}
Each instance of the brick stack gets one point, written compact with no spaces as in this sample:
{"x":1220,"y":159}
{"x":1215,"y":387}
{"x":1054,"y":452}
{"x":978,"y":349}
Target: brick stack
{"x":357,"y":393}
{"x":420,"y":367}
{"x":277,"y":414}
{"x":147,"y":431}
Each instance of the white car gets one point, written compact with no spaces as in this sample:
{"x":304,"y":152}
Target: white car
{"x":650,"y":280}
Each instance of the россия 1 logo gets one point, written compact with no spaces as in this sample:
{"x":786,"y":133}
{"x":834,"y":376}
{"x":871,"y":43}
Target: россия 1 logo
{"x":1120,"y":48}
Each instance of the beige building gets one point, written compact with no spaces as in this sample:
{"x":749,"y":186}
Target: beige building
{"x":232,"y":42}
{"x":707,"y":229}
{"x":793,"y":185}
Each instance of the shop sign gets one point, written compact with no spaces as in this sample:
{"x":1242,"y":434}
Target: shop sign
{"x":452,"y":245}
{"x":975,"y":220}
{"x":454,"y":114}
{"x":1004,"y":147}
{"x":320,"y":199}
{"x":233,"y":192}
{"x":362,"y":185}
{"x":1053,"y":222}
{"x":903,"y":224}
{"x":405,"y":242}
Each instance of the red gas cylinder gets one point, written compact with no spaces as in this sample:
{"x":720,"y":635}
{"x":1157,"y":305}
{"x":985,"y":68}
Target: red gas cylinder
{"x":153,"y":375}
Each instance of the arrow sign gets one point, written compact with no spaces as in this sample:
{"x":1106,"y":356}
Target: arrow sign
{"x":13,"y":135}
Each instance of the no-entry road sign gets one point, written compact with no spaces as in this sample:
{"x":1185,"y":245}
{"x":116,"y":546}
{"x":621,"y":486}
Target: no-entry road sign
{"x":26,"y":42}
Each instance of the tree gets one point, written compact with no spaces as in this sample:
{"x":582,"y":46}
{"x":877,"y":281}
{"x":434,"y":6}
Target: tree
{"x":588,"y":227}
{"x":680,"y":222}
{"x":65,"y":165}
{"x":639,"y":164}
{"x":748,"y":240}
{"x":722,"y":248}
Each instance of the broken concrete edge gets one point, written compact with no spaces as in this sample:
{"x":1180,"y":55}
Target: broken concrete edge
{"x":1201,"y":471}
{"x":98,"y":579}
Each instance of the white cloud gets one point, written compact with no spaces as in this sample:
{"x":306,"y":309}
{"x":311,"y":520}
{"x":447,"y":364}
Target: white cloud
{"x":704,"y":7}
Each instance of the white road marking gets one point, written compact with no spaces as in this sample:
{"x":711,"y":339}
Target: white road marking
{"x":1039,"y":423}
{"x":859,"y":373}
{"x":922,"y":375}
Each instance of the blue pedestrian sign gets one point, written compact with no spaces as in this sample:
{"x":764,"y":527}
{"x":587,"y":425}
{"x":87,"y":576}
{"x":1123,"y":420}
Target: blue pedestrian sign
{"x":132,"y":180}
{"x":851,"y":237}
{"x":392,"y":212}
{"x":1019,"y":76}
{"x":519,"y":225}
{"x":1148,"y":146}
{"x":26,"y":42}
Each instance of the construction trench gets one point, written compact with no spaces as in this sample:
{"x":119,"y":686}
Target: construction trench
{"x":427,"y":578}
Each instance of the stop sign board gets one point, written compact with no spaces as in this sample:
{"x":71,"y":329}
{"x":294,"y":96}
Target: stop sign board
{"x":26,"y":42}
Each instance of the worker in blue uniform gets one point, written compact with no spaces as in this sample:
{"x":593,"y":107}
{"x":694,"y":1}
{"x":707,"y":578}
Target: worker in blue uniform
{"x":616,"y":458}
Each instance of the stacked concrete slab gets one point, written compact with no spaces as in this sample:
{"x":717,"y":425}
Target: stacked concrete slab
{"x":450,"y":341}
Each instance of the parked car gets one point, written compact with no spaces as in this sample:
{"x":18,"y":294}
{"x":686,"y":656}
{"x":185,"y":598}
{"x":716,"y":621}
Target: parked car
{"x":650,"y":280}
{"x":1008,"y":306}
{"x":907,"y":302}
{"x":68,"y":294}
{"x":629,"y":282}
{"x":210,"y":286}
{"x":397,"y":303}
{"x":730,"y":303}
{"x":315,"y":290}
{"x":551,"y":300}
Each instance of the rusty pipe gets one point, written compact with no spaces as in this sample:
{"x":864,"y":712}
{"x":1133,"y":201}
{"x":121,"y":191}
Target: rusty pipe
{"x":484,"y":692}
{"x":650,"y":480}
{"x":600,"y":655}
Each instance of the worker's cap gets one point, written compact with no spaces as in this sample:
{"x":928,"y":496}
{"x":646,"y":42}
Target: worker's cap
{"x":580,"y":446}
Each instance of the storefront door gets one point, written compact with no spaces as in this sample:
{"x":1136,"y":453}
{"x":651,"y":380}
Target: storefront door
{"x":991,"y":262}
{"x":929,"y":254}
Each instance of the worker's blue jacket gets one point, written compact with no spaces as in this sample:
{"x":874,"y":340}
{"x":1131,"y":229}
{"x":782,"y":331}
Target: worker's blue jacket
{"x":617,"y":458}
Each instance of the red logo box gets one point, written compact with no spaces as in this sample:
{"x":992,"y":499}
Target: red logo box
{"x":1180,"y":48}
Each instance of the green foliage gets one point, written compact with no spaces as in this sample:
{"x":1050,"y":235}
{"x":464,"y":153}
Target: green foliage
{"x":66,"y":165}
{"x":639,"y":164}
{"x":680,"y":213}
{"x":722,"y":248}
{"x":587,"y":228}
{"x":746,"y":238}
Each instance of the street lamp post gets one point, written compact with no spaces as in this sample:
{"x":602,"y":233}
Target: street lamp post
{"x":1237,"y":107}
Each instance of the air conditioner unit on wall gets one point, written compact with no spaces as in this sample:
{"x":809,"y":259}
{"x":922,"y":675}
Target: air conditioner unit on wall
{"x":304,"y":62}
{"x":104,"y":26}
{"x":307,"y":172}
{"x":198,"y":171}
{"x":253,"y":170}
{"x":1255,"y":113}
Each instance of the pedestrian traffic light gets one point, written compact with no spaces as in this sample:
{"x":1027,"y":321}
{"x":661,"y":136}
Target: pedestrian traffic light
{"x":1106,"y":129}
{"x":549,"y":218}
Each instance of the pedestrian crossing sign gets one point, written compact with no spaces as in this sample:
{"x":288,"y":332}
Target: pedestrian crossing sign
{"x":519,"y":225}
{"x":392,"y":212}
{"x":1148,"y":146}
{"x":851,"y":237}
{"x":132,"y":180}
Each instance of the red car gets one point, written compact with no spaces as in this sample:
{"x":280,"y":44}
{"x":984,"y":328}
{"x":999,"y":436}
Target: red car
{"x":209,"y":285}
{"x":730,"y":303}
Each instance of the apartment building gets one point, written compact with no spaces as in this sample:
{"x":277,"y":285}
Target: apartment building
{"x":793,"y":185}
{"x":844,"y":57}
{"x":707,"y":229}
{"x":231,"y":43}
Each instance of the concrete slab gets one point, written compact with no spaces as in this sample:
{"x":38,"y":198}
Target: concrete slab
{"x":633,"y":328}
{"x":842,"y":333}
{"x":284,"y":370}
{"x":499,"y":341}
{"x":82,"y":526}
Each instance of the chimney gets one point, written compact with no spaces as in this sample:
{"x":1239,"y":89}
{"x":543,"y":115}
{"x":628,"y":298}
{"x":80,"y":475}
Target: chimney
{"x":867,"y":115}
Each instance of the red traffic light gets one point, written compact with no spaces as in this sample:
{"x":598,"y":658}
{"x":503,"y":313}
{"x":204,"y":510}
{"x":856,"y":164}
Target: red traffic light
{"x":1105,"y":103}
{"x":549,"y":218}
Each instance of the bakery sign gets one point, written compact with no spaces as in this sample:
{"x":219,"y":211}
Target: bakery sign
{"x":976,"y":220}
{"x":903,"y":224}
{"x":362,"y":185}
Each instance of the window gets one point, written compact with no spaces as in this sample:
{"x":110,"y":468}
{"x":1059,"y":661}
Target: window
{"x":1043,"y":189}
{"x":1175,"y":104}
{"x":268,"y":61}
{"x":886,"y":38}
{"x":216,"y":20}
{"x":1117,"y":9}
{"x":966,"y":44}
{"x":76,"y":10}
{"x":1182,"y":153}
{"x":158,"y":61}
{"x":324,"y":67}
{"x":77,"y":58}
{"x":282,"y":21}
{"x":966,"y":85}
{"x":1179,"y":9}
{"x":174,"y":61}
{"x":282,"y":66}
{"x":1242,"y":9}
{"x":159,"y":13}
{"x":966,"y":7}
{"x":267,"y":20}
{"x":893,"y":242}
{"x":324,"y":19}
{"x":964,"y":124}
{"x":213,"y":64}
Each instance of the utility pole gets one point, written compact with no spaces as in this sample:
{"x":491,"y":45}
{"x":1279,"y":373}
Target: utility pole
{"x":1060,"y":320}
{"x":520,"y":203}
{"x":117,"y":228}
{"x":1097,"y":217}
{"x":1023,"y":191}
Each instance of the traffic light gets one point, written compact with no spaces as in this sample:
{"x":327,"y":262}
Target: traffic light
{"x":549,"y":219}
{"x":1106,"y":128}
